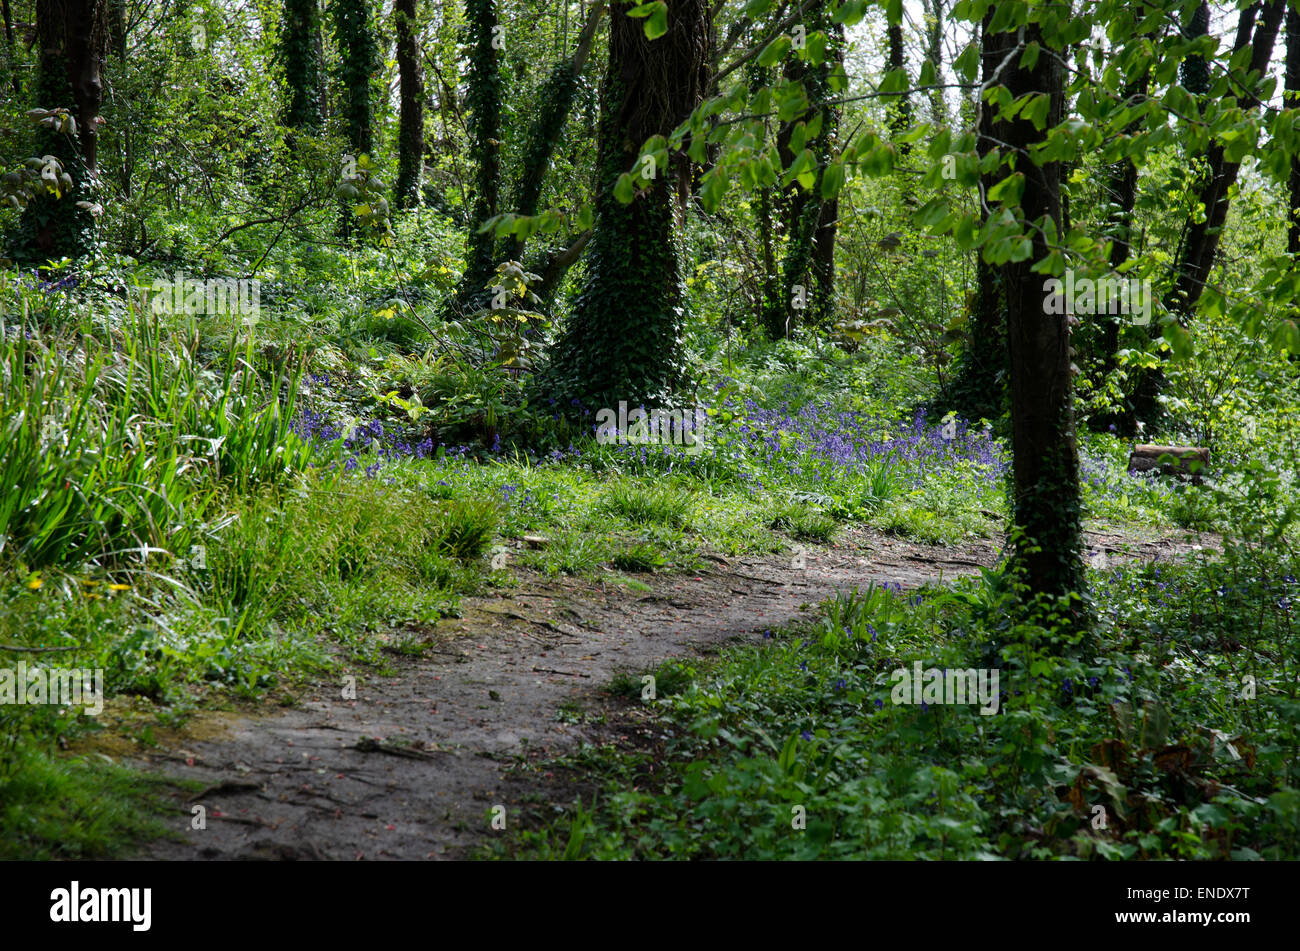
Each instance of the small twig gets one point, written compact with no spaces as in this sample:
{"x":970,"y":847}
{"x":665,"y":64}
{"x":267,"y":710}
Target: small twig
{"x":550,"y":670}
{"x":34,"y":650}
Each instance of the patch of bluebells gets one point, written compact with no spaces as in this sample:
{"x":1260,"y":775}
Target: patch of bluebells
{"x":829,"y":441}
{"x":821,"y":442}
{"x":816,"y":441}
{"x":316,"y":430}
{"x":63,"y":285}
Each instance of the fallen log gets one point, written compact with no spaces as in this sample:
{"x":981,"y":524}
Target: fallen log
{"x":1186,"y":460}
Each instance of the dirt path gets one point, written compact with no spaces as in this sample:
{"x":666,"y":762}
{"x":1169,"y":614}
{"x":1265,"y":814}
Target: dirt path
{"x":414,"y":766}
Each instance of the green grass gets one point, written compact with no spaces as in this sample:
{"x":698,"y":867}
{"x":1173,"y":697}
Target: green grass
{"x":79,"y":808}
{"x":805,"y":524}
{"x":647,"y":505}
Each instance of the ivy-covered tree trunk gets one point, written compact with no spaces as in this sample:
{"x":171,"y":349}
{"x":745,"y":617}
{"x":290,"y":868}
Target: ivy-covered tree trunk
{"x":354,"y":32}
{"x":300,"y":59}
{"x":624,"y":339}
{"x":410,"y":134}
{"x":808,"y":268}
{"x":823,"y":263}
{"x":555,"y":101}
{"x":73,"y":38}
{"x":1046,"y":506}
{"x":1194,"y":71}
{"x":11,"y":56}
{"x":900,"y":109}
{"x":828,"y":215}
{"x":1292,"y":101}
{"x":1200,"y":244}
{"x":979,"y":388}
{"x":769,"y":309}
{"x":934,"y":54}
{"x":484,"y":43}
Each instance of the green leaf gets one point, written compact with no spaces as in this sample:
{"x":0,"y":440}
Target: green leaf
{"x":879,"y":161}
{"x":832,"y":180}
{"x":895,"y":81}
{"x":1037,"y":109}
{"x":1030,"y":56}
{"x":656,"y":18}
{"x":933,"y":212}
{"x":967,"y":64}
{"x":850,"y":12}
{"x":774,"y":52}
{"x":624,"y":189}
{"x":1009,"y":189}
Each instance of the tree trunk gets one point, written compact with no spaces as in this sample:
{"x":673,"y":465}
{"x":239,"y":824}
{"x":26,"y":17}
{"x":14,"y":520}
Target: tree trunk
{"x":802,"y":287}
{"x":771,"y":312}
{"x":934,"y":53}
{"x":1292,"y":101}
{"x":979,"y":386}
{"x":624,"y":339}
{"x":11,"y":53}
{"x":1202,"y":242}
{"x":552,"y":269}
{"x":126,"y":131}
{"x":300,"y":59}
{"x":354,"y":32}
{"x":900,"y":108}
{"x":73,"y":38}
{"x":484,"y":99}
{"x":1046,"y":505}
{"x":410,"y":135}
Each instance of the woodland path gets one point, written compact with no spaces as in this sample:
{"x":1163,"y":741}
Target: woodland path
{"x":412,"y":768}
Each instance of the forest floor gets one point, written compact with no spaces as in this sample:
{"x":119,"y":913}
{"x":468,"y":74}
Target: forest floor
{"x":441,"y":742}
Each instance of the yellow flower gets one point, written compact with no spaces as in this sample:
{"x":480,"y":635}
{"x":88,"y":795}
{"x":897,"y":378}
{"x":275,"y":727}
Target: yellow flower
{"x":34,"y":583}
{"x":119,"y":587}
